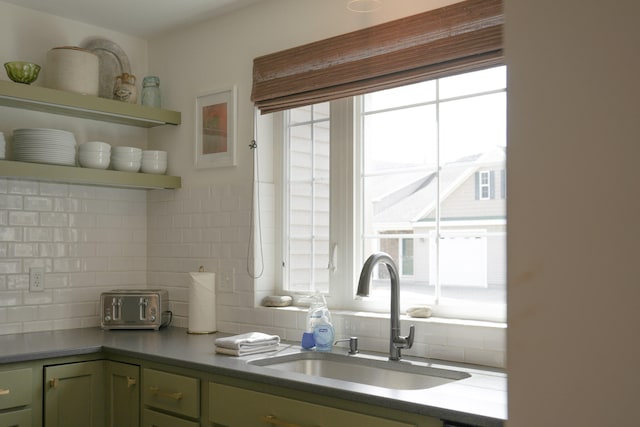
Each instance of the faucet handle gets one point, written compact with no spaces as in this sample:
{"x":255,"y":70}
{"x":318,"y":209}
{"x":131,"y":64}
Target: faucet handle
{"x":405,"y":342}
{"x":412,"y":331}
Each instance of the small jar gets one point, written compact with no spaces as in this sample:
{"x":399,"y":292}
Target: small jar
{"x":125,"y":88}
{"x":151,"y":91}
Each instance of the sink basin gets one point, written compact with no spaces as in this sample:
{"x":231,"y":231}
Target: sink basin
{"x":400,"y":375}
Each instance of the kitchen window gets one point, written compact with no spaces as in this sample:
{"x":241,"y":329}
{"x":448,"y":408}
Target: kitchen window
{"x":410,"y":171}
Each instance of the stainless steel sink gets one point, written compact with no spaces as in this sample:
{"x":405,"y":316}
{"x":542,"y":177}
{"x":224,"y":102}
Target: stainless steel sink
{"x":399,"y":375}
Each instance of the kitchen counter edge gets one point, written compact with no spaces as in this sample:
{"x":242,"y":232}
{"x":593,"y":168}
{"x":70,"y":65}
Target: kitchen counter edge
{"x":174,"y":346}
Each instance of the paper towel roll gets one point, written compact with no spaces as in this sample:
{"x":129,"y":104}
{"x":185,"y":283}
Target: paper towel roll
{"x":202,"y":303}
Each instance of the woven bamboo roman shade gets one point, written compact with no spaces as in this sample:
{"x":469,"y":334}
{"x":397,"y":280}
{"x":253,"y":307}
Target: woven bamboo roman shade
{"x":462,"y":37}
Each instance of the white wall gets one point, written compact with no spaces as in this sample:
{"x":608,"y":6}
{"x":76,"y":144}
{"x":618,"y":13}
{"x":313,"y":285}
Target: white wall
{"x":89,"y":239}
{"x":573,"y":211}
{"x":27,"y":35}
{"x":207,"y":221}
{"x":218,"y":55}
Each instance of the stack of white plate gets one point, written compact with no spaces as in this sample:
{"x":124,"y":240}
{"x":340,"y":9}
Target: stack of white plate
{"x":154,"y":161}
{"x":126,"y":159}
{"x":52,"y":146}
{"x":94,"y":154}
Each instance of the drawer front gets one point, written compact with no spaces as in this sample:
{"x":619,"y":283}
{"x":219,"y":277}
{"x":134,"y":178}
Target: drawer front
{"x":15,"y":388}
{"x":156,"y":419}
{"x":20,"y":418}
{"x":171,"y":392}
{"x":236,"y":407}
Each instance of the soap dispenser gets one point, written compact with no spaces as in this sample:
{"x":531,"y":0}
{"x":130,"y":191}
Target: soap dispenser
{"x":323,"y":335}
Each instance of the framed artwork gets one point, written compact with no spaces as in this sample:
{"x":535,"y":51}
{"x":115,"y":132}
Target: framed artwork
{"x":216,"y":129}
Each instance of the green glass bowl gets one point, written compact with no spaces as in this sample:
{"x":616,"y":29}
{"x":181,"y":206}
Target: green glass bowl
{"x":22,"y":72}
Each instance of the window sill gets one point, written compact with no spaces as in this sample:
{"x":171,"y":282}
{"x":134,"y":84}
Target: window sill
{"x":374,"y":316}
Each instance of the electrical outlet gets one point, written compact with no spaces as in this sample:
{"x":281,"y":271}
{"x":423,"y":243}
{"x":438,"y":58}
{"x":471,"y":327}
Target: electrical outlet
{"x":36,"y":279}
{"x":225,"y":282}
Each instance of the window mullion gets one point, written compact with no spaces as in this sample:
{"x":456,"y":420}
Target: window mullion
{"x":438,"y":289}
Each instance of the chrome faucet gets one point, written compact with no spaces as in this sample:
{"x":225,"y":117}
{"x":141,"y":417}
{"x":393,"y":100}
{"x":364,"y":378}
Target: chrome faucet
{"x":396,"y":341}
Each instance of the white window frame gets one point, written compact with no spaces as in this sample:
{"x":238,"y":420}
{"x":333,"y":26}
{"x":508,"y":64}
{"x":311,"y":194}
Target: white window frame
{"x":346,"y":248}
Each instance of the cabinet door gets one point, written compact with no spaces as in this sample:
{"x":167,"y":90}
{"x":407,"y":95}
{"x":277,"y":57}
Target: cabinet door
{"x":236,"y":407}
{"x":20,"y":418}
{"x":74,"y":395}
{"x":15,"y":388}
{"x":123,"y":394}
{"x":157,"y":419}
{"x":169,"y":392}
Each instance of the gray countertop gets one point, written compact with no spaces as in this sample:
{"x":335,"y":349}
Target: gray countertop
{"x":480,"y":399}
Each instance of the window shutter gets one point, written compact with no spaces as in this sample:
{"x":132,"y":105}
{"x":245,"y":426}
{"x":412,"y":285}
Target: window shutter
{"x":503,"y":183}
{"x":477,"y":186}
{"x":492,"y":184}
{"x":461,"y":37}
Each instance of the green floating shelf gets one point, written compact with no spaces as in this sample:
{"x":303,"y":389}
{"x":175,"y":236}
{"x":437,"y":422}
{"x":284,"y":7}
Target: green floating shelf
{"x":54,"y":101}
{"x":78,"y":175}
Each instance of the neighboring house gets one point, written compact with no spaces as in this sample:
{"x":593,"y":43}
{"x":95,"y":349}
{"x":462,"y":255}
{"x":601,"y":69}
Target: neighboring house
{"x":472,"y":221}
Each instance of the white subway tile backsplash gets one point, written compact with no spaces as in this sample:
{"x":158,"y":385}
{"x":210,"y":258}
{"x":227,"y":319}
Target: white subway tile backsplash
{"x":8,"y":201}
{"x":23,"y":250}
{"x":54,"y":219}
{"x":51,"y":250}
{"x":36,"y":234}
{"x":54,"y":189}
{"x":15,"y":282}
{"x":67,"y":265}
{"x":22,"y":314}
{"x":10,"y":298}
{"x":93,"y":239}
{"x":10,"y":234}
{"x":82,"y":191}
{"x":22,"y":187}
{"x":18,"y":218}
{"x":10,"y":266}
{"x":33,"y":203}
{"x":66,"y":205}
{"x":88,"y":239}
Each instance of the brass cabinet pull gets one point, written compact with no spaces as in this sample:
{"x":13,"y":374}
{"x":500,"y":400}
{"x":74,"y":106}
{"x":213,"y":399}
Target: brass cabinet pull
{"x":156,"y":391}
{"x":53,"y":383}
{"x":274,"y":421}
{"x":4,"y":391}
{"x":131,"y":382}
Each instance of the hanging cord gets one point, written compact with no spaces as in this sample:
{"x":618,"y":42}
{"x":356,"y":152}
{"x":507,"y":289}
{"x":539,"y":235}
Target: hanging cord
{"x":255,"y":208}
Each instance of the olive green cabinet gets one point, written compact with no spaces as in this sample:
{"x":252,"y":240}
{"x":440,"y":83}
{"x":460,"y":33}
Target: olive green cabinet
{"x":74,"y":394}
{"x":232,"y":406}
{"x":16,"y":397}
{"x":123,"y":394}
{"x":170,"y":399}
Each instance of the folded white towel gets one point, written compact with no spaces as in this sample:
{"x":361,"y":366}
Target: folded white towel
{"x":247,"y":351}
{"x":247,"y":341}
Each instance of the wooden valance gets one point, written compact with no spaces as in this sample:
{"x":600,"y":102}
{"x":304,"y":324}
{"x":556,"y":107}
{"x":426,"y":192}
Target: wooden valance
{"x":461,"y":37}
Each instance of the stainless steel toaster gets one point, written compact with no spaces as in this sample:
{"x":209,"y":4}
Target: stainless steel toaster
{"x":135,"y":309}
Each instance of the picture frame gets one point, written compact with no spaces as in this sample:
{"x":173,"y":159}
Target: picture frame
{"x":215,"y":143}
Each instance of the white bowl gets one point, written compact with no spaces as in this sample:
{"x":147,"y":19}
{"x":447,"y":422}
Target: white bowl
{"x":94,"y":146}
{"x":154,"y":154}
{"x":125,"y":166}
{"x":126,"y":157}
{"x":94,"y":161}
{"x":154,"y":167}
{"x":127,"y":150}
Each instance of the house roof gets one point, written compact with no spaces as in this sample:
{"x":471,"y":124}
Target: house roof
{"x":411,"y":197}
